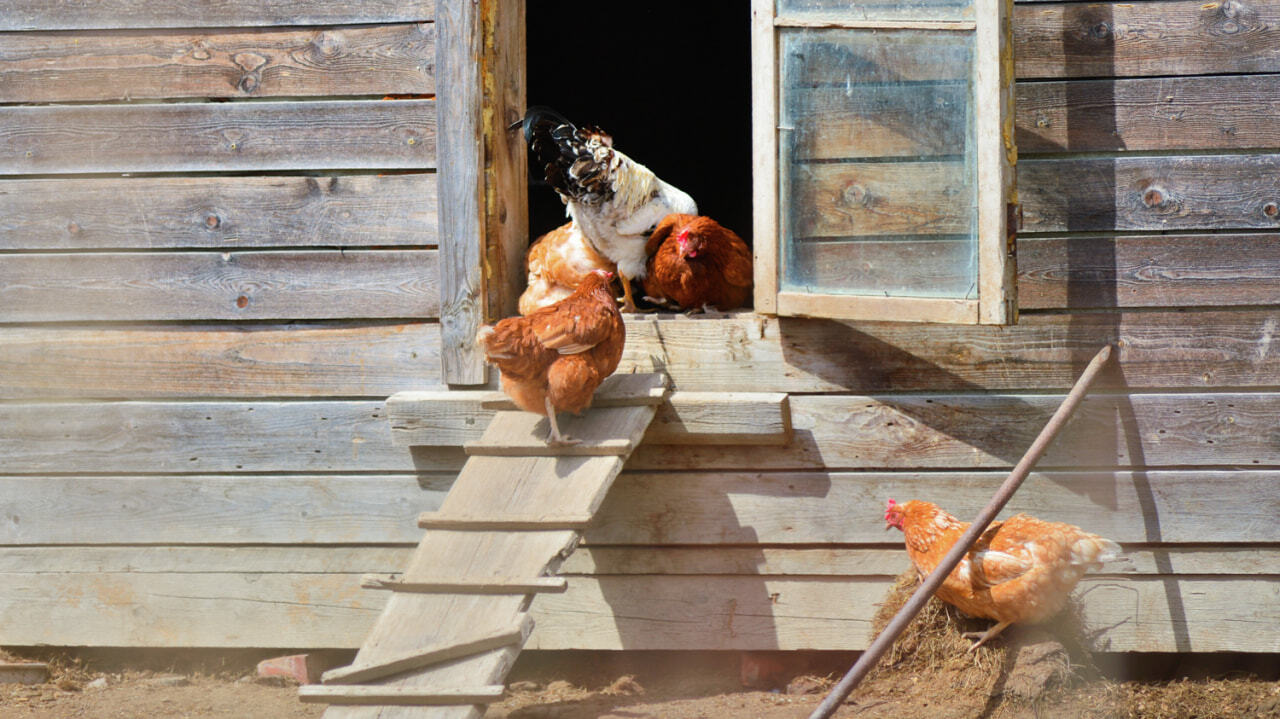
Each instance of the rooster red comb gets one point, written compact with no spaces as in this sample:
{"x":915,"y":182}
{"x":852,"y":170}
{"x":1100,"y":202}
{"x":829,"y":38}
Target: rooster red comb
{"x":890,"y":509}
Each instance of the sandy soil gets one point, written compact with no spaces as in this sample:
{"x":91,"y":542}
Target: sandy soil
{"x":654,"y":687}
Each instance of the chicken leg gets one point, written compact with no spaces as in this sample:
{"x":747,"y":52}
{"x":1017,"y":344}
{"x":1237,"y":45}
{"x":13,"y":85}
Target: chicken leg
{"x":628,"y":302}
{"x":984,"y":636}
{"x":555,"y":439}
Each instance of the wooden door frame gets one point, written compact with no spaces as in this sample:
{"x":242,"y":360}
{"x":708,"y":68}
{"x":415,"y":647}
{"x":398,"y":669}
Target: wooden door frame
{"x":483,"y":196}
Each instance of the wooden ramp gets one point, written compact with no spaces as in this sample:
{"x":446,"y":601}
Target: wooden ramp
{"x":458,"y":616}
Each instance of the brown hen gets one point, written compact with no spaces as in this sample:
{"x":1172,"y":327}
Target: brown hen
{"x":554,"y":359}
{"x":1020,"y":571}
{"x":556,"y":264}
{"x":696,"y":263}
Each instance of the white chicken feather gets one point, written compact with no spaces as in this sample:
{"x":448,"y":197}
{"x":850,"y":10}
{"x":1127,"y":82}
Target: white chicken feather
{"x":614,"y":200}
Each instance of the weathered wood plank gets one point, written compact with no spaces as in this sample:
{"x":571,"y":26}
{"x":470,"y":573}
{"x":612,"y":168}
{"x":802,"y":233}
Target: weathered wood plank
{"x":1169,"y":614}
{"x":1152,"y":193}
{"x":339,"y":360}
{"x":1214,"y":613}
{"x":461,"y":153}
{"x":1158,"y":38}
{"x":269,"y":62}
{"x":1188,"y":113}
{"x":158,"y":437}
{"x":219,"y":509}
{"x":1156,"y":350}
{"x":848,"y":507}
{"x":252,"y":285}
{"x":1146,"y":271}
{"x":221,"y":212}
{"x":450,"y":418}
{"x":357,"y":560}
{"x":765,"y":560}
{"x":219,"y":137}
{"x":858,"y":199}
{"x":944,"y":431}
{"x":71,"y":14}
{"x":1189,"y":350}
{"x":976,"y":431}
{"x":685,"y":508}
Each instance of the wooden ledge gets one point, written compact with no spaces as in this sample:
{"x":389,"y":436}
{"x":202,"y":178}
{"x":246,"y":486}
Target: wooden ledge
{"x":452,"y":419}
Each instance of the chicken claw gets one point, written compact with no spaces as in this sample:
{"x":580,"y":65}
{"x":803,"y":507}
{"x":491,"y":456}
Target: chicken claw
{"x":554,"y":438}
{"x":982,"y":637}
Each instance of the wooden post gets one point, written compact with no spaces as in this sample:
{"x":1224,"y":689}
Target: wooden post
{"x":460,"y":155}
{"x":899,"y":623}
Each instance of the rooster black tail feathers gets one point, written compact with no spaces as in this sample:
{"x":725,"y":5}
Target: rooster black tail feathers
{"x":575,"y":160}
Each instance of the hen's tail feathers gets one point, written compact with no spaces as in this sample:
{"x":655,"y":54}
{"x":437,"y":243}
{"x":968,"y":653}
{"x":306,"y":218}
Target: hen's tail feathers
{"x":576,"y":161}
{"x":1091,"y":550}
{"x":484,"y":338}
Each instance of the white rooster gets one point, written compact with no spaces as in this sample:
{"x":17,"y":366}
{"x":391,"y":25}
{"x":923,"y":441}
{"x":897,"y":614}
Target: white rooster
{"x":615,"y":201}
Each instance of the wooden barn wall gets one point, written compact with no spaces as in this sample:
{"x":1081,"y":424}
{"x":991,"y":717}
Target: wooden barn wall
{"x":186,"y":468}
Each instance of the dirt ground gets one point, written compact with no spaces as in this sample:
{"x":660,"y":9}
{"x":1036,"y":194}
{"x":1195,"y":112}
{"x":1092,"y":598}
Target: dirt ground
{"x":582,"y":685}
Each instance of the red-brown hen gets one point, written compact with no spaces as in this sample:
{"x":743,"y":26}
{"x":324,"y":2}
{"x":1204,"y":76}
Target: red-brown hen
{"x":696,"y":263}
{"x":553,"y":359}
{"x":1020,"y":571}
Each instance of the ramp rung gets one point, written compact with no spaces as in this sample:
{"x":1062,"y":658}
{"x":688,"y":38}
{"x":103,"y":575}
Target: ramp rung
{"x":430,"y":654}
{"x":463,"y":586}
{"x":398,"y":696}
{"x":433,"y":520}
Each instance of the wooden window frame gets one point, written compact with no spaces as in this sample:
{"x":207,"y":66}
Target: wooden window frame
{"x":995,"y":157}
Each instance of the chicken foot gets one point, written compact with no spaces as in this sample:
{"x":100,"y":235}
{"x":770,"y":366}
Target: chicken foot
{"x":555,"y":439}
{"x":982,"y":637}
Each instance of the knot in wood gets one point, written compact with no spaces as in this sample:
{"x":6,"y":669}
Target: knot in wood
{"x":242,"y":302}
{"x":1100,"y":31}
{"x":1270,"y":209}
{"x":212,"y":221}
{"x":1153,"y":197}
{"x":855,"y":194}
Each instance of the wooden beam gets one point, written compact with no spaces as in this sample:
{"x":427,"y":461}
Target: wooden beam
{"x":459,"y":43}
{"x":71,"y":14}
{"x":219,"y":137}
{"x":427,"y":656}
{"x":399,"y":696}
{"x":273,"y":62}
{"x":448,"y":585}
{"x":226,"y":213}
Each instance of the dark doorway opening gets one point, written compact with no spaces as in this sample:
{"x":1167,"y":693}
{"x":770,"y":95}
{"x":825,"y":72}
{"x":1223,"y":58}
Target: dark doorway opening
{"x":670,"y":80}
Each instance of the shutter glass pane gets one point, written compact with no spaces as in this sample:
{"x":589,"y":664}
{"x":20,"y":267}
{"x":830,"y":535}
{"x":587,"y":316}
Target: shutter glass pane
{"x":877,"y":167}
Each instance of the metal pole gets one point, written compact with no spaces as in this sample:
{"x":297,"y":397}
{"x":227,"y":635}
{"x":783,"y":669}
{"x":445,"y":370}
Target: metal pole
{"x":899,"y":623}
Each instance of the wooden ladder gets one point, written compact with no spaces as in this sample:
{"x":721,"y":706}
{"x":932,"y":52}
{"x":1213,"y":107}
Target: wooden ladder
{"x":459,"y":615}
